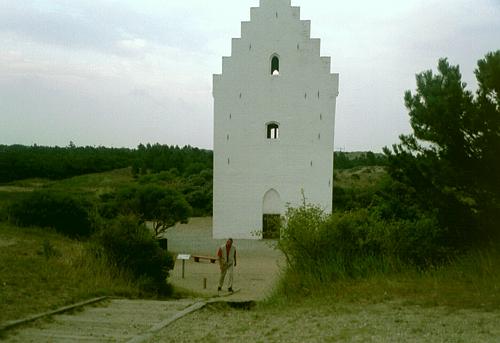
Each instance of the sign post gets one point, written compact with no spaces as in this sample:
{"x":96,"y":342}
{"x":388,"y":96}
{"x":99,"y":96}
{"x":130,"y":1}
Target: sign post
{"x":183,"y":257}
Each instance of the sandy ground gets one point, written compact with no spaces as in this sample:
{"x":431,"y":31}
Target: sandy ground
{"x":256,"y":272}
{"x":384,"y":322}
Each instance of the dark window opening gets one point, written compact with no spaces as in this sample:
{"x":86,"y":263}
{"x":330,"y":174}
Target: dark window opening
{"x":273,"y":131}
{"x":271,"y":224}
{"x":275,"y":65}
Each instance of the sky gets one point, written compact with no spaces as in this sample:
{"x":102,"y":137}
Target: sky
{"x":118,"y":73}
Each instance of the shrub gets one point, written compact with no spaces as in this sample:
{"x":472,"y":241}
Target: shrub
{"x":131,"y":247}
{"x":66,"y":214}
{"x":162,"y":205}
{"x":3,"y":214}
{"x":421,"y":243}
{"x":358,"y":243}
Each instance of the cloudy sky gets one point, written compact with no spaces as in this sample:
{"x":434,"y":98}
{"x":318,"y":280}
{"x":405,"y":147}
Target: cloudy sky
{"x":121,"y":72}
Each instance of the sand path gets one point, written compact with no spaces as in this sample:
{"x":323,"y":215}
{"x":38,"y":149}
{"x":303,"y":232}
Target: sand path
{"x":256,"y":272}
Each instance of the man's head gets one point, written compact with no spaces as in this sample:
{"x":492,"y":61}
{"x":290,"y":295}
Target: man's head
{"x":229,"y":242}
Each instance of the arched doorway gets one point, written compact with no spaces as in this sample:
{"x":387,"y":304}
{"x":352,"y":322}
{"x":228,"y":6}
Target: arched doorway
{"x":272,"y":209}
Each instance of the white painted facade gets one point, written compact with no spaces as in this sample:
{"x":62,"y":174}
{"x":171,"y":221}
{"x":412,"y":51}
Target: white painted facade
{"x":254,"y":174}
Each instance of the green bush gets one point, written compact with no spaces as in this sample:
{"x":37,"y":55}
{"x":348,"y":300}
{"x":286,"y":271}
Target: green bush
{"x":66,"y":214}
{"x":4,"y":216}
{"x":164,"y":206}
{"x":130,"y":246}
{"x":358,"y":243}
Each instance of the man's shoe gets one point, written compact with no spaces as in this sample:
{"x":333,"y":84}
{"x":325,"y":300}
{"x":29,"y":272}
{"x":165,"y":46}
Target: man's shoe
{"x":230,"y":289}
{"x":219,"y":289}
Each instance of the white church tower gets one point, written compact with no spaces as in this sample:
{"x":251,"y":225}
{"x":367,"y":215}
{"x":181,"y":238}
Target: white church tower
{"x":274,"y":115}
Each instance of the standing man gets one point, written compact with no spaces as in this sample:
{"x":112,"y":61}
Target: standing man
{"x":227,"y":262}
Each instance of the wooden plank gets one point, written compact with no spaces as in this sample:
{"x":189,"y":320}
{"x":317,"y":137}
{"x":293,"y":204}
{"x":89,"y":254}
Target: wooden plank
{"x":14,"y":323}
{"x":151,"y":332}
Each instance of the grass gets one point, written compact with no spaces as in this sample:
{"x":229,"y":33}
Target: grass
{"x":359,"y":177}
{"x":94,"y":184}
{"x":90,"y":185}
{"x":471,"y":281}
{"x":42,"y":270}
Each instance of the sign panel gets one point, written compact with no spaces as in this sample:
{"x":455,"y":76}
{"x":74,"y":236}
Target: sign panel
{"x":183,"y":257}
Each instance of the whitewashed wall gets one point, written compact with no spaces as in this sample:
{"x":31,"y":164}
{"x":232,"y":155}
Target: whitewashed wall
{"x":301,"y":99}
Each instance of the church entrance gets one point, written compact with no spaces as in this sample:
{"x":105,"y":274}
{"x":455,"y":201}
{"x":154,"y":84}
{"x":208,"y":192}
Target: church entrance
{"x":272,"y":208}
{"x":271,"y":224}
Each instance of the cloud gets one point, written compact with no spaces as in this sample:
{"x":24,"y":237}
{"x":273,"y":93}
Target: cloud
{"x":120,"y":72}
{"x":104,"y":26}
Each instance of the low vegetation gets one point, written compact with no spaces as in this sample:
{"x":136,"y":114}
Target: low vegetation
{"x":66,"y":214}
{"x":352,"y":257}
{"x":127,"y":245}
{"x":42,"y":270}
{"x":56,"y":248}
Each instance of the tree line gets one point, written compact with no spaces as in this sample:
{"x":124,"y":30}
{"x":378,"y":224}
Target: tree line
{"x":19,"y":162}
{"x":348,"y":160}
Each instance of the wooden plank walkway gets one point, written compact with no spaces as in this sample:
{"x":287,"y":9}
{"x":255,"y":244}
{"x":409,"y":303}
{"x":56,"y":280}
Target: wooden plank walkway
{"x":115,"y":320}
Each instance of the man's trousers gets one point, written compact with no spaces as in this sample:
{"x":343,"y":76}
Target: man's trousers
{"x":226,"y":269}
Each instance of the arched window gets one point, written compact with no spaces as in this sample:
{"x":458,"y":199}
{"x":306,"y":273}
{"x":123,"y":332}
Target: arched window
{"x":273,"y":130}
{"x":275,"y":65}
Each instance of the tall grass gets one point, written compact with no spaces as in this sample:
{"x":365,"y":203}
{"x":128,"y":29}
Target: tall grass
{"x":469,"y":281}
{"x":356,"y":256}
{"x":42,"y":270}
